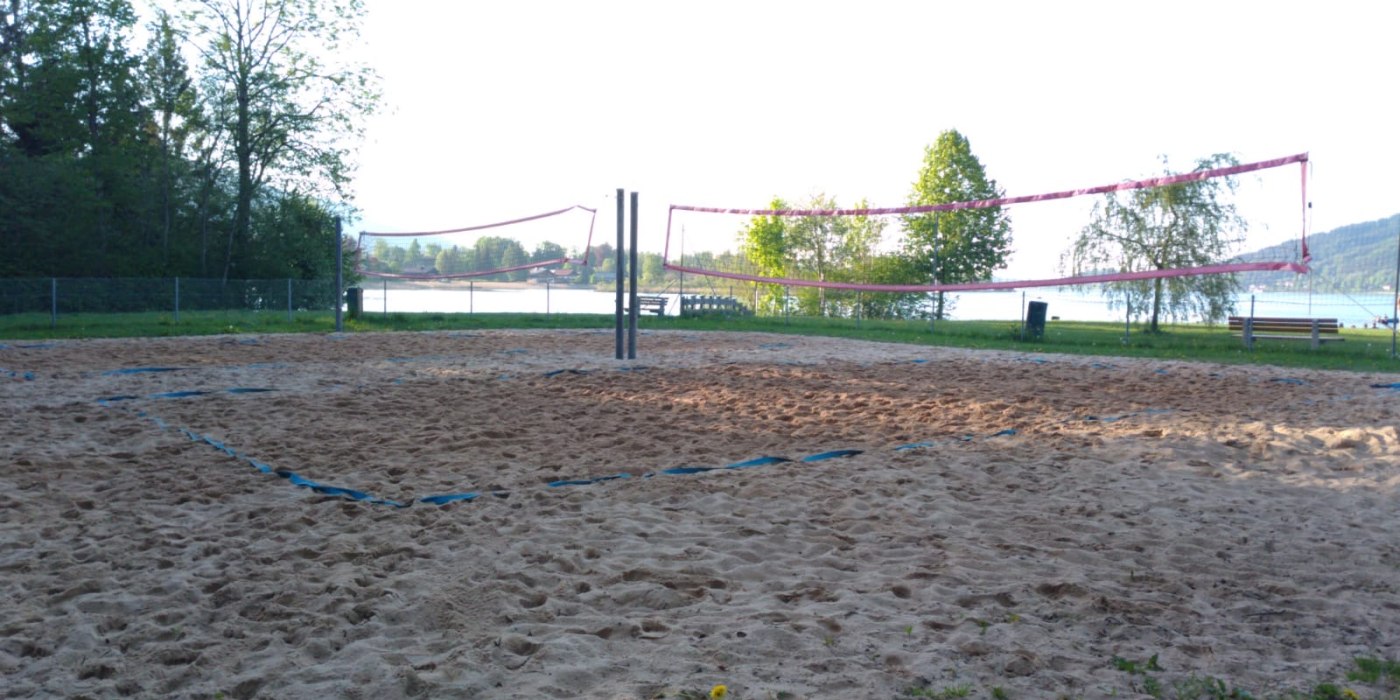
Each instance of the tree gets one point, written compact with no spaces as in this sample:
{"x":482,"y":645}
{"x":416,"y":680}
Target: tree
{"x":293,"y":107}
{"x":965,"y":245}
{"x":1162,"y":228}
{"x":172,"y":99}
{"x":71,"y":148}
{"x":764,"y":244}
{"x":813,"y":243}
{"x":548,"y":250}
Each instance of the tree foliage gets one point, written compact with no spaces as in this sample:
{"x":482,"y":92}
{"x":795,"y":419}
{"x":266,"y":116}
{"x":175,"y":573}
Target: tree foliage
{"x":763,"y":243}
{"x":117,"y":161}
{"x":1189,"y":224}
{"x":292,"y":103}
{"x":966,"y":245}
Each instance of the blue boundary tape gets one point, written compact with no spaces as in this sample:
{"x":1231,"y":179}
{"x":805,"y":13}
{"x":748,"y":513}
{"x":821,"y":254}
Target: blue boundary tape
{"x":444,"y":499}
{"x":140,"y":370}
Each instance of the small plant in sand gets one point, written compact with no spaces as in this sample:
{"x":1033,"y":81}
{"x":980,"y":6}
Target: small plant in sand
{"x":956,"y":691}
{"x":1194,"y":688}
{"x":1149,"y":684}
{"x":1376,"y":671}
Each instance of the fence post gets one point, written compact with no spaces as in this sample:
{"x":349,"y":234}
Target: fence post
{"x":53,"y":302}
{"x":177,"y":299}
{"x":339,"y":280}
{"x":1023,"y":316}
{"x":632,"y":283}
{"x":289,"y":300}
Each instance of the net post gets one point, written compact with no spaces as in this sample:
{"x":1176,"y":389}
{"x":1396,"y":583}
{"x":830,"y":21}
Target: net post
{"x":289,"y":300}
{"x":1395,"y":307}
{"x":471,"y":298}
{"x":339,"y":278}
{"x":621,"y":266}
{"x":680,"y":291}
{"x":53,"y":302}
{"x":935,"y":297}
{"x":385,"y":295}
{"x":632,"y":280}
{"x":177,"y":299}
{"x":1023,"y":316}
{"x":547,"y":286}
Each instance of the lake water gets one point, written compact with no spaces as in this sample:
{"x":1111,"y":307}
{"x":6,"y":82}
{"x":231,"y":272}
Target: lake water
{"x":1066,"y":304}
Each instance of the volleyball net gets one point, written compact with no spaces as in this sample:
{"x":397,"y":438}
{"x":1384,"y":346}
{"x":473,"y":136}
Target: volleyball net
{"x":886,"y":261}
{"x":554,"y":243}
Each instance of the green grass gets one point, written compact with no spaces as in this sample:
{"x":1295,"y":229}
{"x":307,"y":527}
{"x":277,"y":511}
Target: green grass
{"x":1370,"y":670}
{"x":1363,"y":349}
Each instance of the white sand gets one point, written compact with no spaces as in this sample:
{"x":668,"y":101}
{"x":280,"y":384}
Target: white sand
{"x":1230,"y":523}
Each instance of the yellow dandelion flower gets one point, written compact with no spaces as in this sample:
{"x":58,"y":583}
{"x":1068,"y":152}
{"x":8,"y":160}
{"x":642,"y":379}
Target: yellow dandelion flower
{"x":719,"y":692}
{"x":1350,"y":694}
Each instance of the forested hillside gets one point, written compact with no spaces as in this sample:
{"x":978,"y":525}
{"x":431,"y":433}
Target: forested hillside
{"x":218,"y":148}
{"x":1358,"y":258}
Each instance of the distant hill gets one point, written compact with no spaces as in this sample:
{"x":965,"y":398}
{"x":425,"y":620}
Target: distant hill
{"x":1358,"y":258}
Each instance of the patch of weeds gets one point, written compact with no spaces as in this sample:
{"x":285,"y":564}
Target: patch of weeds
{"x":1149,"y":685}
{"x":1373,"y":670}
{"x":1211,"y":688}
{"x":1136,"y":667}
{"x":956,"y":691}
{"x":1328,"y":691}
{"x":999,"y":694}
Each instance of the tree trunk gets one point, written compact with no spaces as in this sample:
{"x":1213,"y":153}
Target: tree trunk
{"x":1156,"y":302}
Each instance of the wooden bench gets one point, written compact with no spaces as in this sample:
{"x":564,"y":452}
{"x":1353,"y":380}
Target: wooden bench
{"x":699,"y":305}
{"x":656,"y":305}
{"x":1316,"y":330}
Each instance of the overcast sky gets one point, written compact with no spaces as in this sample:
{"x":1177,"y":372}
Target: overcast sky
{"x":498,"y":109}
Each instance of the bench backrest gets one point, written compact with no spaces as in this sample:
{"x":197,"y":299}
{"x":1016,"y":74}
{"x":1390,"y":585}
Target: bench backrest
{"x":1269,"y":324}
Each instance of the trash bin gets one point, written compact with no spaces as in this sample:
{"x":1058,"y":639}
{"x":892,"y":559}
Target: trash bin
{"x":1035,"y":319}
{"x":355,"y":301}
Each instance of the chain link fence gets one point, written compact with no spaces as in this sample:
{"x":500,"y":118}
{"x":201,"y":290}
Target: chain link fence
{"x":59,"y":296}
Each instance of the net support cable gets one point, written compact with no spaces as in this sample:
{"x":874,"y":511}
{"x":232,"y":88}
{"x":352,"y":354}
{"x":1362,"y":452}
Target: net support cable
{"x":1194,"y":176}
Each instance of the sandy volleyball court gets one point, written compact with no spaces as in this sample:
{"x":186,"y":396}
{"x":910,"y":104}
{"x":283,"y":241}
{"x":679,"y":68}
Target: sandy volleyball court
{"x":998,"y":519}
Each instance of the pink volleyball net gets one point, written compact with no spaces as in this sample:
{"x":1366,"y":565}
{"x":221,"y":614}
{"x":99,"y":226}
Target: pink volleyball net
{"x":839,"y":254}
{"x":554,"y":243}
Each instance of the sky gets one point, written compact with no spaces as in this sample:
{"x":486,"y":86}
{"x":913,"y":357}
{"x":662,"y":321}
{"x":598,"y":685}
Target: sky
{"x":493,"y":110}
